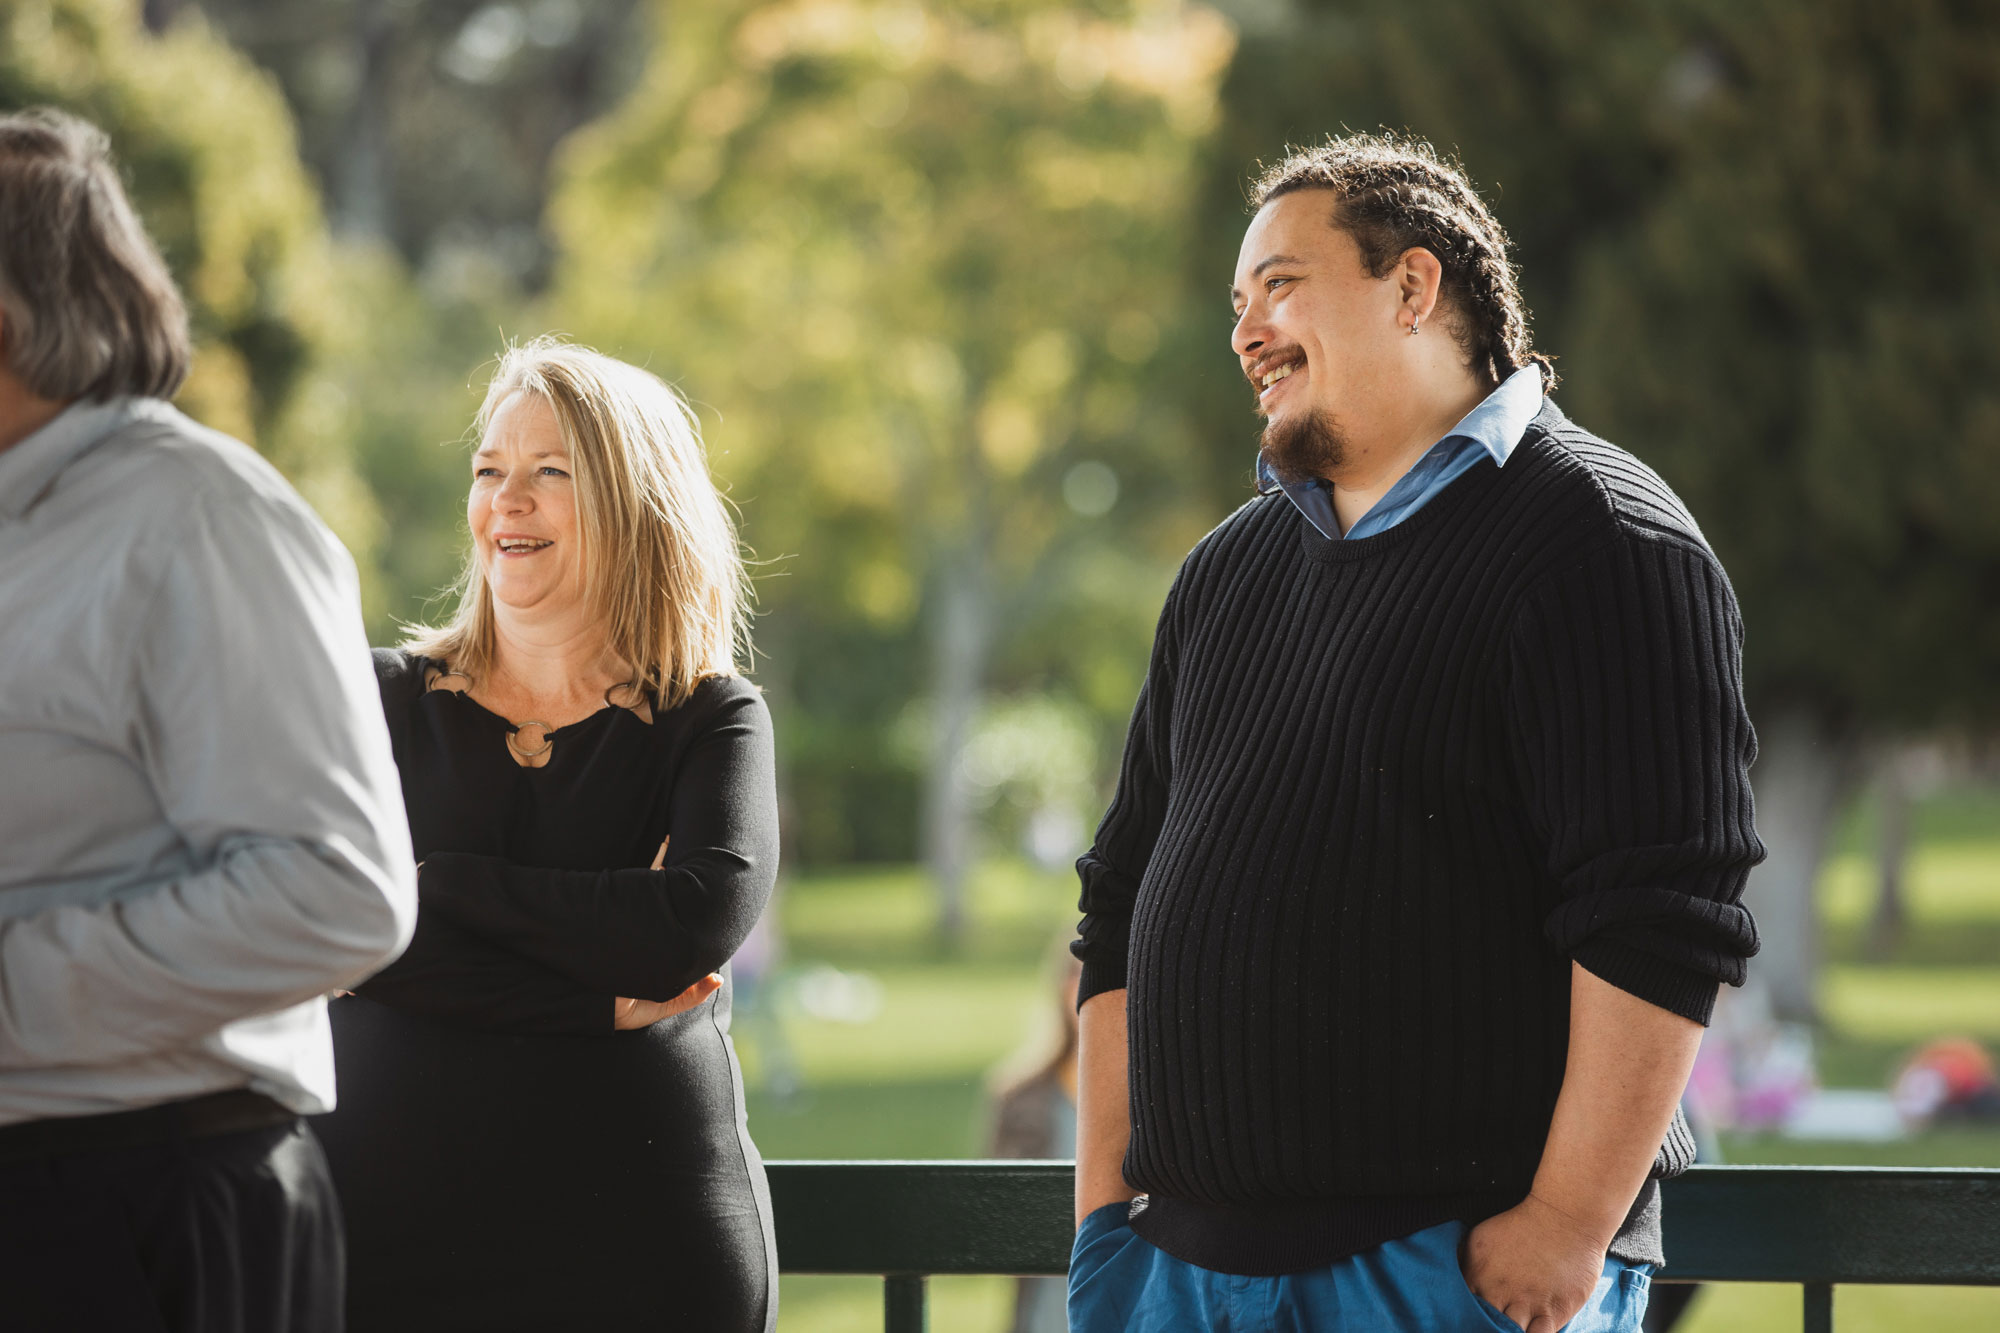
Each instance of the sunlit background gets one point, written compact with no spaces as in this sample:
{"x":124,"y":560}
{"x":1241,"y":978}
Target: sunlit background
{"x":946,"y":282}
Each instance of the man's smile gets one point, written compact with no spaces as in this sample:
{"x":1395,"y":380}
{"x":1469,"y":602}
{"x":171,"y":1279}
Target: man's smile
{"x":1267,"y":376}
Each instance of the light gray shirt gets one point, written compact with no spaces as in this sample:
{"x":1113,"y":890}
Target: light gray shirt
{"x":201,"y":828}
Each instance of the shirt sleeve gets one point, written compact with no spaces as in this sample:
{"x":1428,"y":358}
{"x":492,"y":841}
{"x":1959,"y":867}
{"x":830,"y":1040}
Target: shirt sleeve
{"x":1634,"y":749}
{"x":1111,"y":870}
{"x":637,"y":932}
{"x":256,"y":721}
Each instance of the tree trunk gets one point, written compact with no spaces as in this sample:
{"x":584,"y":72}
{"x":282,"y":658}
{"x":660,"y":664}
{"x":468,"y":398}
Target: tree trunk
{"x":1892,"y":854}
{"x":1804,"y":767}
{"x":159,"y":15}
{"x":362,"y":205}
{"x":960,"y":629}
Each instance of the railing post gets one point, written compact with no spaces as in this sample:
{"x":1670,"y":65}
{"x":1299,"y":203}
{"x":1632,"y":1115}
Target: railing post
{"x":1819,"y":1307}
{"x":903,"y":1305}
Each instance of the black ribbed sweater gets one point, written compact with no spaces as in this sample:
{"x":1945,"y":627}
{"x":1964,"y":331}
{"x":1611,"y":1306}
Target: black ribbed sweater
{"x":1376,"y":795}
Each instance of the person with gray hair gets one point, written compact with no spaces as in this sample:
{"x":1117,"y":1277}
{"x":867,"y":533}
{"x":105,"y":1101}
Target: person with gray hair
{"x":201,"y":831}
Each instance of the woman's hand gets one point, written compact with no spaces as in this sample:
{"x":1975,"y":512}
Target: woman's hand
{"x":627,"y":1014}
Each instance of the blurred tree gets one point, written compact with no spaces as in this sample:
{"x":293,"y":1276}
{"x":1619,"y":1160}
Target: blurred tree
{"x":429,"y":128}
{"x":1799,"y":334}
{"x":918,"y":265}
{"x":1771,"y":278}
{"x":207,"y":150}
{"x":431,"y":125}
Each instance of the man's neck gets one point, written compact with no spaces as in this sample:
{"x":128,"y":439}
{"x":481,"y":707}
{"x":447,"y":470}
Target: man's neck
{"x":22,"y":411}
{"x":1376,"y":463}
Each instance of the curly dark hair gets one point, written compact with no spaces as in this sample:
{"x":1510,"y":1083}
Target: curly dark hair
{"x":1394,"y":193}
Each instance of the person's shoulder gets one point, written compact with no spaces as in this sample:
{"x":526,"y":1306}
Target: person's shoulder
{"x":401,"y":675}
{"x":172,"y":455}
{"x":1246,"y":534}
{"x":181,"y":472}
{"x":399,"y":666}
{"x":1591,"y":491}
{"x":722,"y":697}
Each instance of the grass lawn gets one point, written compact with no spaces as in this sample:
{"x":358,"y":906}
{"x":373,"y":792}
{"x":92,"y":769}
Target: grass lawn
{"x":910,"y":1079}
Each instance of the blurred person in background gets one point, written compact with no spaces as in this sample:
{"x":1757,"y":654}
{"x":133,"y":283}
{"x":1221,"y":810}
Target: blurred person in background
{"x":542,"y":1123}
{"x":756,"y":979}
{"x":1431,"y":833}
{"x":200,"y":830}
{"x":1034,"y":1116}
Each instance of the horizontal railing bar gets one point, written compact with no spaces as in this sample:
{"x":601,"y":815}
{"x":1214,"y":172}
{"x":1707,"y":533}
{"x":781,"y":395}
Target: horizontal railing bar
{"x":1924,"y":1226}
{"x":1915,"y":1225}
{"x":923,"y":1217}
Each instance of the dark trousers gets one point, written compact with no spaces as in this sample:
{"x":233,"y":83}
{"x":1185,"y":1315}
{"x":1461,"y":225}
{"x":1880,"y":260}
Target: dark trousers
{"x":234,"y":1233}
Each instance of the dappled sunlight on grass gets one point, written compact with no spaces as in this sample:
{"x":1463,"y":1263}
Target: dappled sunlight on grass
{"x":1911,"y":1003}
{"x":937,"y":1019}
{"x":1761,"y":1307}
{"x":887,"y":913}
{"x":1955,"y":882}
{"x":854,"y":1304}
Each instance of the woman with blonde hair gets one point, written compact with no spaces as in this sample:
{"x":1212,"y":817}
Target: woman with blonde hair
{"x":541,"y":1118}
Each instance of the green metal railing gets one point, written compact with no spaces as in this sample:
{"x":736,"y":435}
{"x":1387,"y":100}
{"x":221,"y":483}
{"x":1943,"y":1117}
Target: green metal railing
{"x":1814,"y":1225}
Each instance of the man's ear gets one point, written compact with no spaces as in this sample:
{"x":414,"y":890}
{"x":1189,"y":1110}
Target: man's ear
{"x":1419,"y":276}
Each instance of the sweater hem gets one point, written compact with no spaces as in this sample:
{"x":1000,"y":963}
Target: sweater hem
{"x":1272,"y":1239}
{"x":1291,"y":1236}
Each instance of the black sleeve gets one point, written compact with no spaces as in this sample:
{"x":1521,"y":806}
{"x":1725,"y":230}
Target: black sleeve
{"x":1111,"y":870}
{"x":639,"y":932}
{"x":1634,"y":752}
{"x":400,"y":677}
{"x":448,"y":973}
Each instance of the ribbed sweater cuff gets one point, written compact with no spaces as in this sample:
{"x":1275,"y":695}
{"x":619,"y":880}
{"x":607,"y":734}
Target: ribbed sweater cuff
{"x":1099,"y":977}
{"x":1677,"y":989}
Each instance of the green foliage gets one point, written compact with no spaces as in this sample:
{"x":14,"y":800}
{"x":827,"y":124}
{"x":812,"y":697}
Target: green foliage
{"x":207,"y":149}
{"x":1799,"y":332}
{"x":1759,"y":235}
{"x":430,"y":125}
{"x":915,"y":265}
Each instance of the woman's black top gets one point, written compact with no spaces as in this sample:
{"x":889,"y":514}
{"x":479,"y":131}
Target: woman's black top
{"x":506,"y":1159}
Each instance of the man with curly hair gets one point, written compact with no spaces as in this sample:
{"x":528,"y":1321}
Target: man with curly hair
{"x":1430,"y":838}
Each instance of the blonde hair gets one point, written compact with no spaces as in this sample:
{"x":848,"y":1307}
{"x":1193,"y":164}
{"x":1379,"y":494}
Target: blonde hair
{"x":661,"y":562}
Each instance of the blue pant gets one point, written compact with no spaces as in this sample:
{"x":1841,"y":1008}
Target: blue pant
{"x":1119,"y":1283}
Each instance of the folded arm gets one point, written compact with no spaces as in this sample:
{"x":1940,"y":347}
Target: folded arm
{"x":640,"y":932}
{"x":451,"y":975}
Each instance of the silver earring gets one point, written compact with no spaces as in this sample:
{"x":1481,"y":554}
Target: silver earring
{"x":1415,"y":320}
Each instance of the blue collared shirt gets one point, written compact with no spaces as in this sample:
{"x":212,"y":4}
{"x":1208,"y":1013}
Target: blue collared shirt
{"x":1490,"y":430}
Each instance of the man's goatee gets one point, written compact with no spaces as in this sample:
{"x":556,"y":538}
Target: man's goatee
{"x":1303,"y":447}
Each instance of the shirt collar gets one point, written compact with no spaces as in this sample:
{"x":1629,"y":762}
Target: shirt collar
{"x":1497,"y":425}
{"x":1503,"y":416}
{"x":29,"y":470}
